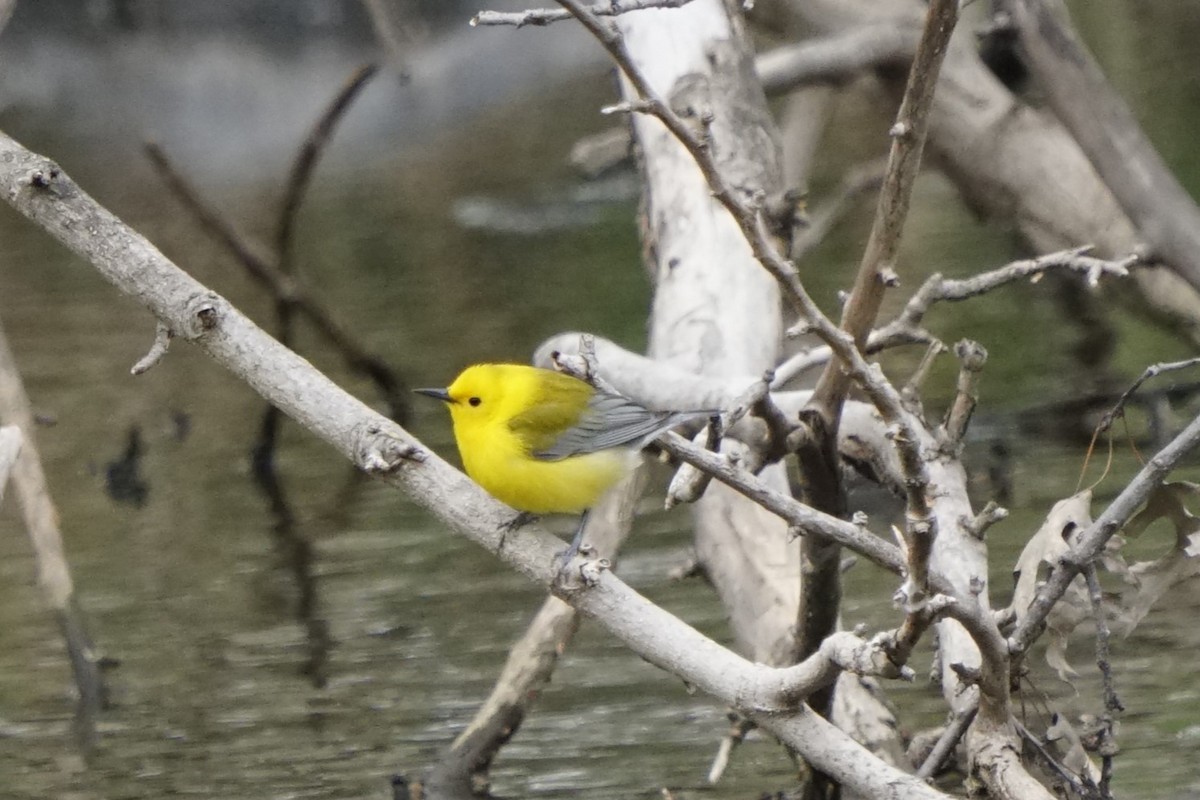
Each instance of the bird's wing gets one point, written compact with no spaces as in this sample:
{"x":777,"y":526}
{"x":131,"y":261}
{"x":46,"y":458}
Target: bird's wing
{"x":608,"y":421}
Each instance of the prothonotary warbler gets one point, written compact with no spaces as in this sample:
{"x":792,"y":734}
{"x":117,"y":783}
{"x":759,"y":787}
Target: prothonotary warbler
{"x":544,"y":442}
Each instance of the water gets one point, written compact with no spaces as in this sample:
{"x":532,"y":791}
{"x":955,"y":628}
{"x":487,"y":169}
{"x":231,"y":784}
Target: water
{"x":424,"y":245}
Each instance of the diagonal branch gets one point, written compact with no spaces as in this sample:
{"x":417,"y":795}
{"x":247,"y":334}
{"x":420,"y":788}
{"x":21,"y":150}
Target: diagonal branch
{"x":877,"y":270}
{"x":1108,"y":133}
{"x":545,"y":16}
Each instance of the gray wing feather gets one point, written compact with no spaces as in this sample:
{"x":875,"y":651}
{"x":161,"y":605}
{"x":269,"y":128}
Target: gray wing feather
{"x":611,"y":421}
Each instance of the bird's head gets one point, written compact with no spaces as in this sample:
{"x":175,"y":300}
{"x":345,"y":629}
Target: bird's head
{"x":477,"y":394}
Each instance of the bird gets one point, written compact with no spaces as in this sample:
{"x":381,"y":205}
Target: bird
{"x":544,"y":442}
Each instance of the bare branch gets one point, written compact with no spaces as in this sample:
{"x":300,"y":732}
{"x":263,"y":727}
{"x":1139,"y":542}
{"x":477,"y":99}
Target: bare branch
{"x":1108,"y":132}
{"x":946,"y":743}
{"x":162,"y":340}
{"x":1112,"y":703}
{"x":796,"y":513}
{"x":989,"y":516}
{"x":973,"y":357}
{"x":906,"y":328}
{"x":739,"y":728}
{"x":904,"y":162}
{"x":1153,"y":371}
{"x":545,"y":16}
{"x":838,"y":57}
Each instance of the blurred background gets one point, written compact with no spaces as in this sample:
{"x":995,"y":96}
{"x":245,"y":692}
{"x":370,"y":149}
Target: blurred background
{"x":443,"y":227}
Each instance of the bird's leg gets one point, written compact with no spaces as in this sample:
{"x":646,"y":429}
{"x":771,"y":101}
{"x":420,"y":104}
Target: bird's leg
{"x":573,"y":550}
{"x":522,"y":519}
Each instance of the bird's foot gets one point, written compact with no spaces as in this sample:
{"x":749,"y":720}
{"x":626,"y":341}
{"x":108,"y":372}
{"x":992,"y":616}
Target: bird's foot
{"x":519,"y":521}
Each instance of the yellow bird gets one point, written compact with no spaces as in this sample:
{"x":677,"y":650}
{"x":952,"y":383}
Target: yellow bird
{"x":544,"y":442}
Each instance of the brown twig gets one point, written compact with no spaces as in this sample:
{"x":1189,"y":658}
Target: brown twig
{"x":877,"y":269}
{"x":545,"y":16}
{"x":819,"y":591}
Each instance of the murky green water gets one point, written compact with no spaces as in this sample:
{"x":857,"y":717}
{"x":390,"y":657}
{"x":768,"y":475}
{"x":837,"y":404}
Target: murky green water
{"x":193,"y":597}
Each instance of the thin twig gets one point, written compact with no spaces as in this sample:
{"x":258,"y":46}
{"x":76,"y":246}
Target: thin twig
{"x":1112,"y":703}
{"x":906,"y":328}
{"x":1153,"y":371}
{"x":162,"y":340}
{"x":940,"y":289}
{"x":797,"y":514}
{"x":307,"y":158}
{"x":1069,"y":777}
{"x":545,"y":16}
{"x":946,"y":743}
{"x":989,"y":516}
{"x":740,"y":726}
{"x":972,"y":357}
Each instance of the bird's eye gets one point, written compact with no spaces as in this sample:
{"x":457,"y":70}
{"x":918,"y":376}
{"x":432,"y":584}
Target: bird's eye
{"x":474,"y":401}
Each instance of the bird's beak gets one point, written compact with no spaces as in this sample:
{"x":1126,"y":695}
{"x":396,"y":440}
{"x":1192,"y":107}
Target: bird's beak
{"x":440,"y":394}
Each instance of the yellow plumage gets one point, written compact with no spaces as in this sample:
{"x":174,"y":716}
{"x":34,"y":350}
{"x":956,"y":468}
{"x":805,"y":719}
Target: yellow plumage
{"x":541,"y":441}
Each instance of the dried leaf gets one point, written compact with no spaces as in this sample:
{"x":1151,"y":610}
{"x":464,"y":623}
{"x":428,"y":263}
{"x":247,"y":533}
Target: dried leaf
{"x":1069,"y":746}
{"x":1041,"y":554}
{"x":1152,"y":579}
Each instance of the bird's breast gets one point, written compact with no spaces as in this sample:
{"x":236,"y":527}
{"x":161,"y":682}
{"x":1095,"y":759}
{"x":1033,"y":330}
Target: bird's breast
{"x":498,"y":461}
